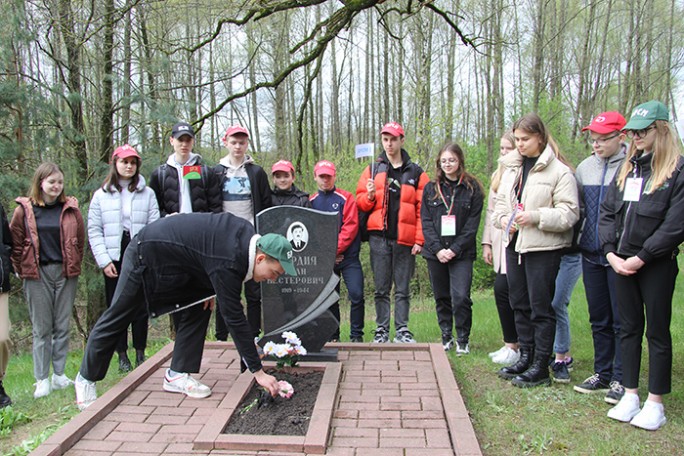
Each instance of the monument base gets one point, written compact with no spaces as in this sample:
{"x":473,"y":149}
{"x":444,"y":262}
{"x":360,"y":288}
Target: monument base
{"x":326,"y":355}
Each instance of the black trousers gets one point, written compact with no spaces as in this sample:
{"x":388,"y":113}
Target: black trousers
{"x":504,"y":309}
{"x":253,"y":298}
{"x":531,"y":286}
{"x":127,"y":302}
{"x":648,"y":292}
{"x":451,"y":283}
{"x":139,"y":324}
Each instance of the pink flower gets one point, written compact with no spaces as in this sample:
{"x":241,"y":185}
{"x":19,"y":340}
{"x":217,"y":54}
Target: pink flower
{"x":285,"y":389}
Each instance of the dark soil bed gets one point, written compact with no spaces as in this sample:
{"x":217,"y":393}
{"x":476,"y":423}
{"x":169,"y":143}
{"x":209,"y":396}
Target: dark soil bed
{"x":280,"y":416}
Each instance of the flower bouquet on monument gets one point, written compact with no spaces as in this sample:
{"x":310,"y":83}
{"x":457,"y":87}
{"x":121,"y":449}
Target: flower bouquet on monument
{"x":286,"y":354}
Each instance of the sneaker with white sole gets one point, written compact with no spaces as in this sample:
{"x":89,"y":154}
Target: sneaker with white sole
{"x":61,"y":381}
{"x":86,"y":392}
{"x":447,"y":342}
{"x":507,"y":357}
{"x":615,"y":392}
{"x":651,"y":417}
{"x":184,"y":383}
{"x":404,"y":336}
{"x":593,"y":384}
{"x":626,"y":409}
{"x":499,"y":352}
{"x":42,"y":388}
{"x":462,"y":348}
{"x":381,"y":336}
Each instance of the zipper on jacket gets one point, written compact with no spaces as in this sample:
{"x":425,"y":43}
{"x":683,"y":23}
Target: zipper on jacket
{"x":629,"y":208}
{"x":597,"y":243}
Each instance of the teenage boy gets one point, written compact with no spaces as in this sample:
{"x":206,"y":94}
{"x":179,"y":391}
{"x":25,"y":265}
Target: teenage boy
{"x":182,"y":185}
{"x":177,"y":263}
{"x":594,"y":175}
{"x":285,"y":192}
{"x":391,"y":190}
{"x":245,"y":192}
{"x":332,"y":199}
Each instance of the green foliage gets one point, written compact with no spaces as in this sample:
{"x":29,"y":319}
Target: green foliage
{"x":9,"y":417}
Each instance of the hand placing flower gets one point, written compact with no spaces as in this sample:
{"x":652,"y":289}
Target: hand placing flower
{"x":285,"y":389}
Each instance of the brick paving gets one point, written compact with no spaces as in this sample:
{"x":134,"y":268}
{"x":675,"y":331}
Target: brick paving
{"x":392,"y":399}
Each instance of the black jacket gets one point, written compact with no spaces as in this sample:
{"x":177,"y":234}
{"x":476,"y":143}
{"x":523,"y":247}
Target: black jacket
{"x":467,"y":208}
{"x":189,"y":257}
{"x":291,"y":197}
{"x":205,"y":193}
{"x":649,"y":228}
{"x":258,"y":182}
{"x":5,"y":252}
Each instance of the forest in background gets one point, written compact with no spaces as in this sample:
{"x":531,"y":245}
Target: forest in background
{"x":313,"y":78}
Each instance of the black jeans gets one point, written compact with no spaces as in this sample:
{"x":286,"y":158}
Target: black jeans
{"x":451,"y":284}
{"x":648,"y":291}
{"x":531,"y":286}
{"x":127,"y":302}
{"x":139,"y":324}
{"x":599,"y":286}
{"x":504,"y":309}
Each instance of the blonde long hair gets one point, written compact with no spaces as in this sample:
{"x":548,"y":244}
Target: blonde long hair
{"x":666,"y":152}
{"x":496,"y":176}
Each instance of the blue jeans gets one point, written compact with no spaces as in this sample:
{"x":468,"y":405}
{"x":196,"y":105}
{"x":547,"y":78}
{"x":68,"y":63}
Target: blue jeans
{"x":568,"y":275}
{"x":391,"y":263}
{"x":451,"y":284}
{"x":599,"y":285}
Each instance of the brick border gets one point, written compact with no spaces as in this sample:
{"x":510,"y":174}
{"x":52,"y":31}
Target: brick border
{"x":212,"y":437}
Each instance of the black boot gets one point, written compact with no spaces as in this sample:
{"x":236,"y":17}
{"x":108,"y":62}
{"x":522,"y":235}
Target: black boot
{"x":124,"y":363}
{"x":4,"y":398}
{"x":139,"y":357}
{"x":518,"y":368}
{"x":536,"y":375}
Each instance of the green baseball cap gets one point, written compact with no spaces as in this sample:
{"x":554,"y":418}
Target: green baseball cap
{"x":278,"y":247}
{"x":647,"y":113}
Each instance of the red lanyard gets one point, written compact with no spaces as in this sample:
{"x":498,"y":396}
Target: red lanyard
{"x":441,"y":195}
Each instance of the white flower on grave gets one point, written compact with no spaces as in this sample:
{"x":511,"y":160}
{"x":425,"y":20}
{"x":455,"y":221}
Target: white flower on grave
{"x":291,"y":338}
{"x":269,"y":348}
{"x":299,"y":350}
{"x":282,"y":350}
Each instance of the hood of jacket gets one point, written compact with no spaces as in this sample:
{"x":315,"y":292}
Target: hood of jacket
{"x":138,"y":188}
{"x":225,"y":161}
{"x":194,"y":159}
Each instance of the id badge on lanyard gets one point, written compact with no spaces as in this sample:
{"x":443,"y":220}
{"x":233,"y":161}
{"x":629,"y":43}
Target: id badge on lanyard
{"x":448,"y":225}
{"x":632,"y":189}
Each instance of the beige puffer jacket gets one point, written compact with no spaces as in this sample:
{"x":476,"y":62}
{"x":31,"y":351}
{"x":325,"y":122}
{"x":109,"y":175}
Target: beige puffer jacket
{"x":550,"y":194}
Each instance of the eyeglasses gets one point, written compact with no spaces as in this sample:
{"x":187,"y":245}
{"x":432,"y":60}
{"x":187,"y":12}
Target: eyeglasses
{"x":639,"y":133}
{"x":601,"y":141}
{"x":450,"y":161}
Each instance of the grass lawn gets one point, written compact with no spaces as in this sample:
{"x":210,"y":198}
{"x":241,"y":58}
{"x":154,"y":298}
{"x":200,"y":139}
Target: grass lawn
{"x":508,"y":420}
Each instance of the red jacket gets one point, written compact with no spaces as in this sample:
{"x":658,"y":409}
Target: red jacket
{"x":26,"y":249}
{"x":413,"y":180}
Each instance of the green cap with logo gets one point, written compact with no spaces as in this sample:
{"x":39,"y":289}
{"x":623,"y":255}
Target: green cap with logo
{"x":278,"y":247}
{"x":647,"y":113}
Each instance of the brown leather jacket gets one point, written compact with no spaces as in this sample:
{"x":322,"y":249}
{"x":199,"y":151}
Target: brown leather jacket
{"x":26,"y":249}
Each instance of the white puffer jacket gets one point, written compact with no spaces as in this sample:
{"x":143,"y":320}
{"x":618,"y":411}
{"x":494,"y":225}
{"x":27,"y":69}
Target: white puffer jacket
{"x":550,"y":195}
{"x":105,"y":226}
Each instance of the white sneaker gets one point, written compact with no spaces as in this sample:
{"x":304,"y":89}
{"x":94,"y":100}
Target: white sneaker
{"x":626,"y":409}
{"x":498,"y":352}
{"x":60,"y":382}
{"x":651,"y":417}
{"x":86,"y":393}
{"x":507,"y":357}
{"x":42,"y":388}
{"x":184,"y":383}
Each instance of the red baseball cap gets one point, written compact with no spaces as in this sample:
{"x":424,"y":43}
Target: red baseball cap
{"x":393,"y":128}
{"x":325,"y":167}
{"x":282,"y":165}
{"x":235,"y":130}
{"x":125,"y":151}
{"x":606,"y":122}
